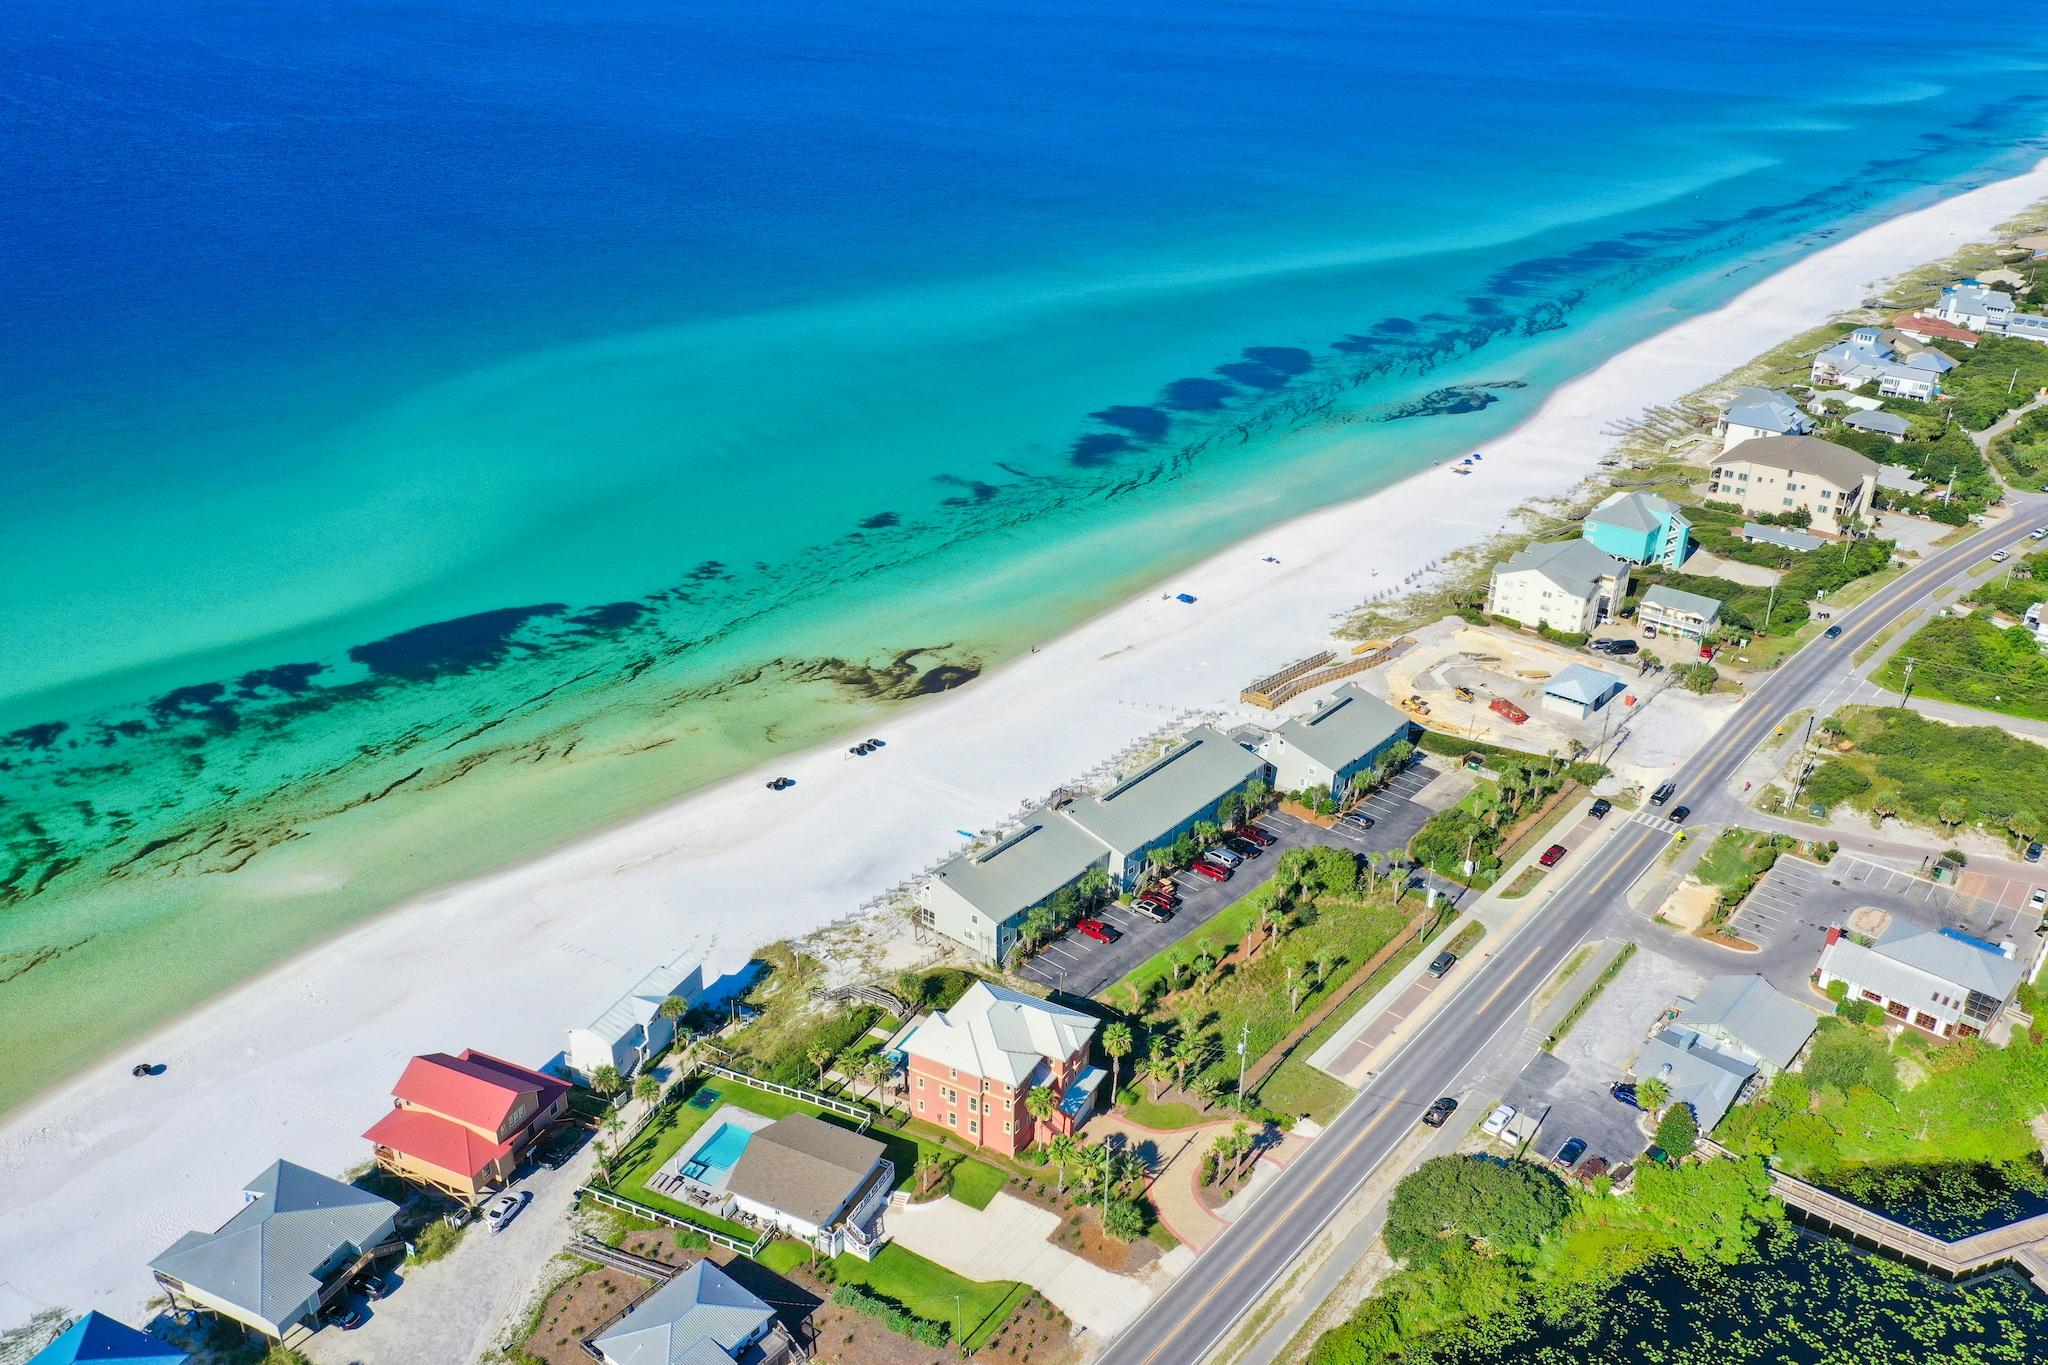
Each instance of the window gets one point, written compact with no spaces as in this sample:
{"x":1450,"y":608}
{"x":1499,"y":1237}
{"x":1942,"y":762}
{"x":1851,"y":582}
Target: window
{"x":973,"y":1127}
{"x":973,"y":1105}
{"x":1873,"y":996}
{"x":920,"y":1106}
{"x":920,"y":1082}
{"x":1896,"y":1010}
{"x":952,"y":1120}
{"x":1923,"y":1019}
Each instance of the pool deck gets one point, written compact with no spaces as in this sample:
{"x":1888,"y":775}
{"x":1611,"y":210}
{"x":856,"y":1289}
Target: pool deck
{"x":711,"y":1179}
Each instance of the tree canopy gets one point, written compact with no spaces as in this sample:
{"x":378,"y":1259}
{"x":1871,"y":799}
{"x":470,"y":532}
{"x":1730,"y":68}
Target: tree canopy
{"x":1509,"y":1205}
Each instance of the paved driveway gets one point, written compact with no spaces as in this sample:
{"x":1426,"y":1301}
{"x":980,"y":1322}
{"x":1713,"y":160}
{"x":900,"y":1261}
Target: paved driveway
{"x":1080,"y":966}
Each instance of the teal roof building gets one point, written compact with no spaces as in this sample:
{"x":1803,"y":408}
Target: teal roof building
{"x":1641,"y":528}
{"x":97,"y":1337}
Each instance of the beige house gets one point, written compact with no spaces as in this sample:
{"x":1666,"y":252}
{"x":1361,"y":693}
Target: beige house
{"x":1568,"y":585}
{"x":1773,"y":475}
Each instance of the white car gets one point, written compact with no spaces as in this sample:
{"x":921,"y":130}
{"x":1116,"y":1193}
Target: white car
{"x":505,"y":1208}
{"x":2000,"y":556}
{"x":2038,"y":533}
{"x":1498,"y":1120}
{"x":2039,"y":901}
{"x":1222,"y":857}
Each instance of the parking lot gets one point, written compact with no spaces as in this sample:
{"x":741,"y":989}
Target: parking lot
{"x":1568,"y":1088}
{"x":1080,"y":966}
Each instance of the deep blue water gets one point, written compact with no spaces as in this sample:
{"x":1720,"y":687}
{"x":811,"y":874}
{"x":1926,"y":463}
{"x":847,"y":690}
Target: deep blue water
{"x":385,"y":385}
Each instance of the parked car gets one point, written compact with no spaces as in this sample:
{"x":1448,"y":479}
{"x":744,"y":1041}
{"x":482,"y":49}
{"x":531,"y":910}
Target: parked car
{"x":505,"y":1208}
{"x":1163,"y":892}
{"x":1625,"y":1091}
{"x":1256,"y":835}
{"x":1358,"y":818}
{"x":1623,"y":648}
{"x":1223,"y":856}
{"x":345,"y":1317}
{"x":1831,"y":633}
{"x":1444,"y":962}
{"x":1497,"y":1122}
{"x":1551,"y":855}
{"x":1213,"y":871}
{"x":1243,"y":848}
{"x":374,"y":1287}
{"x":1097,"y":930}
{"x":1663,"y":793}
{"x":1601,"y":807}
{"x":2034,"y":851}
{"x":1593,"y":1167}
{"x":1152,"y":910}
{"x":1436,"y":1115}
{"x":2038,"y":902}
{"x":1569,"y":1154}
{"x":1678,"y":814}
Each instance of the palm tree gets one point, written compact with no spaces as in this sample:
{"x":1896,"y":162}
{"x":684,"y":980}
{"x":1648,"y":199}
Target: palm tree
{"x":1062,"y":1149}
{"x":1653,"y":1094}
{"x":605,"y":1080}
{"x":1126,"y":1169}
{"x":604,"y":1161}
{"x":1094,"y":1163}
{"x":928,"y":1171}
{"x":612,"y":1124}
{"x":1186,"y":1052}
{"x":647,"y":1088}
{"x":1041,"y":1103}
{"x":819,"y":1058}
{"x":674,"y":1008}
{"x":1153,"y":1071}
{"x":1116,"y":1045}
{"x":879,"y":1071}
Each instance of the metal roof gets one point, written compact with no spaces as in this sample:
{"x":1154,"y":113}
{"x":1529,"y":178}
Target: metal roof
{"x":1162,"y":796}
{"x":1695,"y":1072}
{"x":1767,"y":410}
{"x":1886,"y":423}
{"x":701,"y":1317}
{"x":996,"y":1032}
{"x":1779,"y":535}
{"x":1045,"y":854}
{"x":1679,"y":600}
{"x":1913,"y":965}
{"x":1572,"y":566}
{"x":106,"y":1341}
{"x":1755,"y":1014}
{"x":1346,"y":728}
{"x":804,"y":1166}
{"x":1587,"y":686}
{"x":265,"y":1258}
{"x":637,"y":1004}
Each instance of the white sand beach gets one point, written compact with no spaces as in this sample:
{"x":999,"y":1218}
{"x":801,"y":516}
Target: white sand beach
{"x":103,"y":1173}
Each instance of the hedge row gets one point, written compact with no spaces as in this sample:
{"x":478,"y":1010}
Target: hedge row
{"x":892,"y":1315}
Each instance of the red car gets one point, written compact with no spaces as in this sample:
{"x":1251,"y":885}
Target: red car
{"x":1551,"y":855}
{"x":1211,"y":871}
{"x":1256,"y":835}
{"x":1097,"y":930}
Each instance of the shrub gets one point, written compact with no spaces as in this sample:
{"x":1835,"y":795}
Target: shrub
{"x":1510,"y":1204}
{"x":1123,"y":1219}
{"x":1835,"y":781}
{"x":436,"y":1240}
{"x":891,"y":1314}
{"x":1678,"y":1132}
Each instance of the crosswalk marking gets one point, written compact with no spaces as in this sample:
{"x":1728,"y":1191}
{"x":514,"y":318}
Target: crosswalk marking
{"x":1656,"y":822}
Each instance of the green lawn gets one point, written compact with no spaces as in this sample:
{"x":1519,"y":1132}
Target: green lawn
{"x":974,"y":1182}
{"x":924,"y":1288}
{"x":1230,"y":927}
{"x":1164,"y":1115}
{"x":1970,"y":661}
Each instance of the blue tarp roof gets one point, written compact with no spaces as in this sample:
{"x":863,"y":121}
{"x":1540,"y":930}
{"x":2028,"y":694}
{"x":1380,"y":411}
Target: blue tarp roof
{"x":100,"y":1339}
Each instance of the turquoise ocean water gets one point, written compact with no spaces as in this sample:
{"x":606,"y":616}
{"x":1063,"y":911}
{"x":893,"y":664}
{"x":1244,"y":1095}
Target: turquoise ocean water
{"x":496,"y":417}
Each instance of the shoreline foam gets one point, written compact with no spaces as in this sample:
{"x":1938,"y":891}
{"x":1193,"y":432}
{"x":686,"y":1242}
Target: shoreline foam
{"x":296,"y":1062}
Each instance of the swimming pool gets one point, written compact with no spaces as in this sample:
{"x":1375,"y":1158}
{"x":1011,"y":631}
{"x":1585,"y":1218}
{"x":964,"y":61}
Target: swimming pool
{"x":722,"y":1149}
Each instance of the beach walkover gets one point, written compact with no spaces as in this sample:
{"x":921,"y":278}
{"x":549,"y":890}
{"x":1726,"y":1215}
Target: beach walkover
{"x":2023,"y":1245}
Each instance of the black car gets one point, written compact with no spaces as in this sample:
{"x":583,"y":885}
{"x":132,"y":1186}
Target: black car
{"x":1242,"y":847}
{"x":1625,"y":1091}
{"x":1601,"y":807}
{"x":1443,"y":963}
{"x":1569,"y":1154}
{"x":2034,"y":851}
{"x":345,"y":1317}
{"x":1678,"y":814}
{"x":1437,"y":1113}
{"x":1663,"y":793}
{"x":1831,"y":633}
{"x":1617,"y":647}
{"x":782,"y":784}
{"x":374,"y":1287}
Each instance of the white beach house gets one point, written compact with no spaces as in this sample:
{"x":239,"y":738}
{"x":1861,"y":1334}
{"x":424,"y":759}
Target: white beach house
{"x":627,"y":1027}
{"x":1568,"y":585}
{"x":1755,"y":411}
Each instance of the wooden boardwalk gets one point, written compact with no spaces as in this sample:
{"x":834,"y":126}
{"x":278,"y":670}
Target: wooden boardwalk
{"x":2023,"y":1245}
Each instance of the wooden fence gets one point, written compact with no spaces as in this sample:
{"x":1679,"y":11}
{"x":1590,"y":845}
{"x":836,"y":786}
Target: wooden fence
{"x":624,"y":1204}
{"x":847,"y":1108}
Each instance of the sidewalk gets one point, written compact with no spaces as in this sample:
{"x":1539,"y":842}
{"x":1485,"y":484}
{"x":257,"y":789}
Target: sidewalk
{"x":1176,"y":1161}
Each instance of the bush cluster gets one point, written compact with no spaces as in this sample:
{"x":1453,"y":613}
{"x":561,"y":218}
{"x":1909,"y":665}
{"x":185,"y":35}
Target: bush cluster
{"x":892,"y":1315}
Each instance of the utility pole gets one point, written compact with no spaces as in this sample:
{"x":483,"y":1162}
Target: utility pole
{"x":2011,"y":382}
{"x":1906,"y":683}
{"x":1244,"y":1034}
{"x":1770,"y":606}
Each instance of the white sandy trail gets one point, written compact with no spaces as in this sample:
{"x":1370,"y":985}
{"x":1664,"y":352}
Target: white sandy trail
{"x":99,"y":1176}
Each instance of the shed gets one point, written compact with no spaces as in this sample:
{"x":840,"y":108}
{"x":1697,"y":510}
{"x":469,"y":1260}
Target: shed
{"x":1580,"y":691}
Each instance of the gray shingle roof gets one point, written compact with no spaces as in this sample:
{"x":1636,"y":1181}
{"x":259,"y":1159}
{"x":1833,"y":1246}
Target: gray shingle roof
{"x":1637,"y":511}
{"x":1806,"y":455}
{"x":265,"y":1258}
{"x":1192,"y":778}
{"x":1755,"y":1014}
{"x":1695,"y":1071}
{"x":701,"y":1317}
{"x":1351,"y":725}
{"x":1039,"y":858}
{"x":804,"y":1166}
{"x":1572,"y":566}
{"x":1587,"y":686}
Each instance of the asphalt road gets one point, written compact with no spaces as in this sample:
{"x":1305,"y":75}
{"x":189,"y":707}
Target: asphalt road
{"x":1205,"y":1305}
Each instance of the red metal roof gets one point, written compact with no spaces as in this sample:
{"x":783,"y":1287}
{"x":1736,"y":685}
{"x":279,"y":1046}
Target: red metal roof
{"x":436,"y":1141}
{"x":475,"y":1087}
